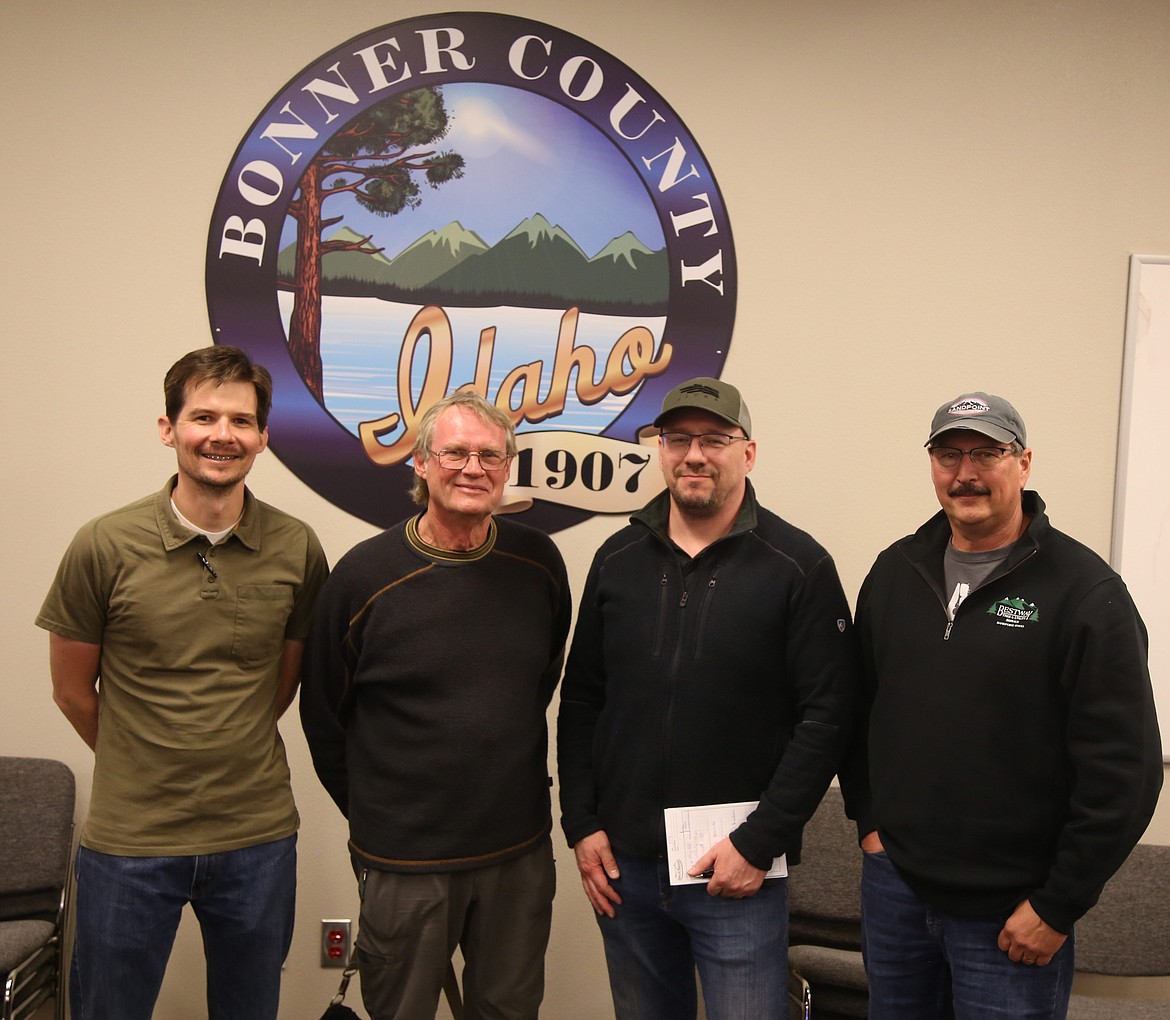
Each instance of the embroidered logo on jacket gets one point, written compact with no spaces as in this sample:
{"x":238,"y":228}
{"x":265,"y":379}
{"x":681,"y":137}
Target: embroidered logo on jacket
{"x":1014,"y":612}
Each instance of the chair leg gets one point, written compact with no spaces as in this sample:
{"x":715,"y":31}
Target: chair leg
{"x":800,"y":996}
{"x":59,"y":986}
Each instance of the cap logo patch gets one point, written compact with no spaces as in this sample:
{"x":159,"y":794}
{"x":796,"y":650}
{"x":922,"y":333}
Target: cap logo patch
{"x":970,"y":405}
{"x":700,"y":388}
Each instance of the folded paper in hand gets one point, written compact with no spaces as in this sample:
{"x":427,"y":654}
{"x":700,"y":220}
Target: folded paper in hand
{"x":692,"y":831}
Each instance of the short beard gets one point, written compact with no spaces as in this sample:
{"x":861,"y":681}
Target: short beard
{"x":695,"y":506}
{"x":217,"y":486}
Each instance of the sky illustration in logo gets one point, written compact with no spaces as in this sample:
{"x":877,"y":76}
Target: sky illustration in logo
{"x":472,"y":200}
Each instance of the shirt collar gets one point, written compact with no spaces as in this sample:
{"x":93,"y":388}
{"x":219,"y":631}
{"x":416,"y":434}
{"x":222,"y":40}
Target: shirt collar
{"x":174,"y":535}
{"x":655,"y":515}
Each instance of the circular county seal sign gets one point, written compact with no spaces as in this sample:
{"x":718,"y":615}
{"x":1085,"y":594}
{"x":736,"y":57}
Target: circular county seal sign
{"x":472,"y":200}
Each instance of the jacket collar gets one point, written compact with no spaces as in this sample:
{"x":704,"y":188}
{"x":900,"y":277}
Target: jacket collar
{"x":655,"y":515}
{"x":928,"y":543}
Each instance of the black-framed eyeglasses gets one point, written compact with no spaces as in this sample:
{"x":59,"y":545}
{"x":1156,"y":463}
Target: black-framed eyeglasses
{"x":455,"y":458}
{"x":680,"y":442}
{"x":981,"y":457}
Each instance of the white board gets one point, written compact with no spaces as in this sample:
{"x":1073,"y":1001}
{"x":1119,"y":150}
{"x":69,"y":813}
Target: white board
{"x":1141,"y":515}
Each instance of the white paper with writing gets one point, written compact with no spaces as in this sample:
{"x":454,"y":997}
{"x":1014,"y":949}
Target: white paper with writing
{"x":692,"y":831}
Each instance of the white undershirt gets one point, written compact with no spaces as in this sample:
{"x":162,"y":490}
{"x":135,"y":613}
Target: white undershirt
{"x":214,"y":537}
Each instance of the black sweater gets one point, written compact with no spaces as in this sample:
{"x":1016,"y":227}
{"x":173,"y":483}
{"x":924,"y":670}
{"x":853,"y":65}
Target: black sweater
{"x":1014,"y":753}
{"x":425,"y":683}
{"x":717,"y":679}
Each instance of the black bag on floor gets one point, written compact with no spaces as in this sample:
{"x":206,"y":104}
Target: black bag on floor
{"x":337,"y":1009}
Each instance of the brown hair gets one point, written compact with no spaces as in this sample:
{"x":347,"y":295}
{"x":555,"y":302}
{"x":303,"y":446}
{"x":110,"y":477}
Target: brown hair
{"x":219,"y":364}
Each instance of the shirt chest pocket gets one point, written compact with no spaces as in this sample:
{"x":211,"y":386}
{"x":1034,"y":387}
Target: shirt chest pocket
{"x":262,"y":612}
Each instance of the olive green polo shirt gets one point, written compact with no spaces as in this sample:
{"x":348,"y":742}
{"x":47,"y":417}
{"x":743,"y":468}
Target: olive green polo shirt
{"x":189,"y":759}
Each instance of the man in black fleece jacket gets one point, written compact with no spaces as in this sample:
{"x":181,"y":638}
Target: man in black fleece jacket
{"x":433,"y":656}
{"x":1008,"y":758}
{"x":713,"y":663}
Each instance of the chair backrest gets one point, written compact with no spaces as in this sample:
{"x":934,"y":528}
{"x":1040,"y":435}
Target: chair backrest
{"x":824,"y":890}
{"x":1128,"y":932}
{"x":36,"y":825}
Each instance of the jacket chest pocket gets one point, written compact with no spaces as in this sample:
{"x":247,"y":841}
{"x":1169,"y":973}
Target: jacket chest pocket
{"x":706,"y":596}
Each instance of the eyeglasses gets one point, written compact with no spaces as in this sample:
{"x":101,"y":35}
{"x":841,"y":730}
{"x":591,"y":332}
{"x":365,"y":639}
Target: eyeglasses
{"x":455,"y":458}
{"x":680,"y":442}
{"x":981,"y":457}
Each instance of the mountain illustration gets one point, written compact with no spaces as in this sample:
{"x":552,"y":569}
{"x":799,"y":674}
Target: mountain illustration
{"x":535,"y":257}
{"x":621,"y":249}
{"x":375,"y":268}
{"x":625,"y":269}
{"x":536,"y":264}
{"x":434,"y":254}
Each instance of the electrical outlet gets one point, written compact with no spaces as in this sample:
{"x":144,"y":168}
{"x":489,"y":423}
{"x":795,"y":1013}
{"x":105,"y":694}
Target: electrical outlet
{"x":336,"y":940}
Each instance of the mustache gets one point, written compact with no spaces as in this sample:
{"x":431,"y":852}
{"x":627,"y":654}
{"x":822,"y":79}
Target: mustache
{"x":968,"y":489}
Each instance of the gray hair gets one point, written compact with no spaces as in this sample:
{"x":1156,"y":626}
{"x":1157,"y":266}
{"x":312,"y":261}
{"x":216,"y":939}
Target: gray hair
{"x":489,"y":414}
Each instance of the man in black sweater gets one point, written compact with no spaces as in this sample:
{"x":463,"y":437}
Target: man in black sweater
{"x":713,"y":664}
{"x":433,"y":655}
{"x":1008,"y":757}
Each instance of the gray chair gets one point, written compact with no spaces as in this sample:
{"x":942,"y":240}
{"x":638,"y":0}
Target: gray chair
{"x":824,"y":918}
{"x":36,"y":837}
{"x":1127,"y":934}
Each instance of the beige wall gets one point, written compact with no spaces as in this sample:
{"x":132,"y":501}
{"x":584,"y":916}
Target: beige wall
{"x":926,"y":197}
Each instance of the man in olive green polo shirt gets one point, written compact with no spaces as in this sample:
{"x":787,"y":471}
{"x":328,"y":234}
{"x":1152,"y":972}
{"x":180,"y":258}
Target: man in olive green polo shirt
{"x":175,"y":633}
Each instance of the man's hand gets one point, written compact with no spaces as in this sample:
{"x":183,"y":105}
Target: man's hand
{"x":597,"y":866}
{"x":871,"y":843}
{"x":734,"y":877}
{"x":1027,"y":939}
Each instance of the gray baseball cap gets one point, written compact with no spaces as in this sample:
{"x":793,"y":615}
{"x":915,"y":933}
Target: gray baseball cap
{"x":985,"y":413}
{"x":711,"y":395}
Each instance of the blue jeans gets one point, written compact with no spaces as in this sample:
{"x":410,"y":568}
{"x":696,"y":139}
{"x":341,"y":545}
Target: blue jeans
{"x":925,"y":964}
{"x":662,"y":932}
{"x":128,"y":911}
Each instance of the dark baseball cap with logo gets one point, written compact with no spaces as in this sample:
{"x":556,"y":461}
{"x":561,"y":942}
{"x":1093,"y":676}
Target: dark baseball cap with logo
{"x":711,"y":395}
{"x":984,"y":413}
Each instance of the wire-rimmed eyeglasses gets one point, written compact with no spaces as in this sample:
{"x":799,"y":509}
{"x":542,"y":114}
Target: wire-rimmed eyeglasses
{"x":680,"y":442}
{"x":456,"y":458}
{"x":981,"y":457}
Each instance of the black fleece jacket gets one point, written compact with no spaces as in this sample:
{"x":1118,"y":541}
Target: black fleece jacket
{"x":721,"y":678}
{"x":1014,"y":753}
